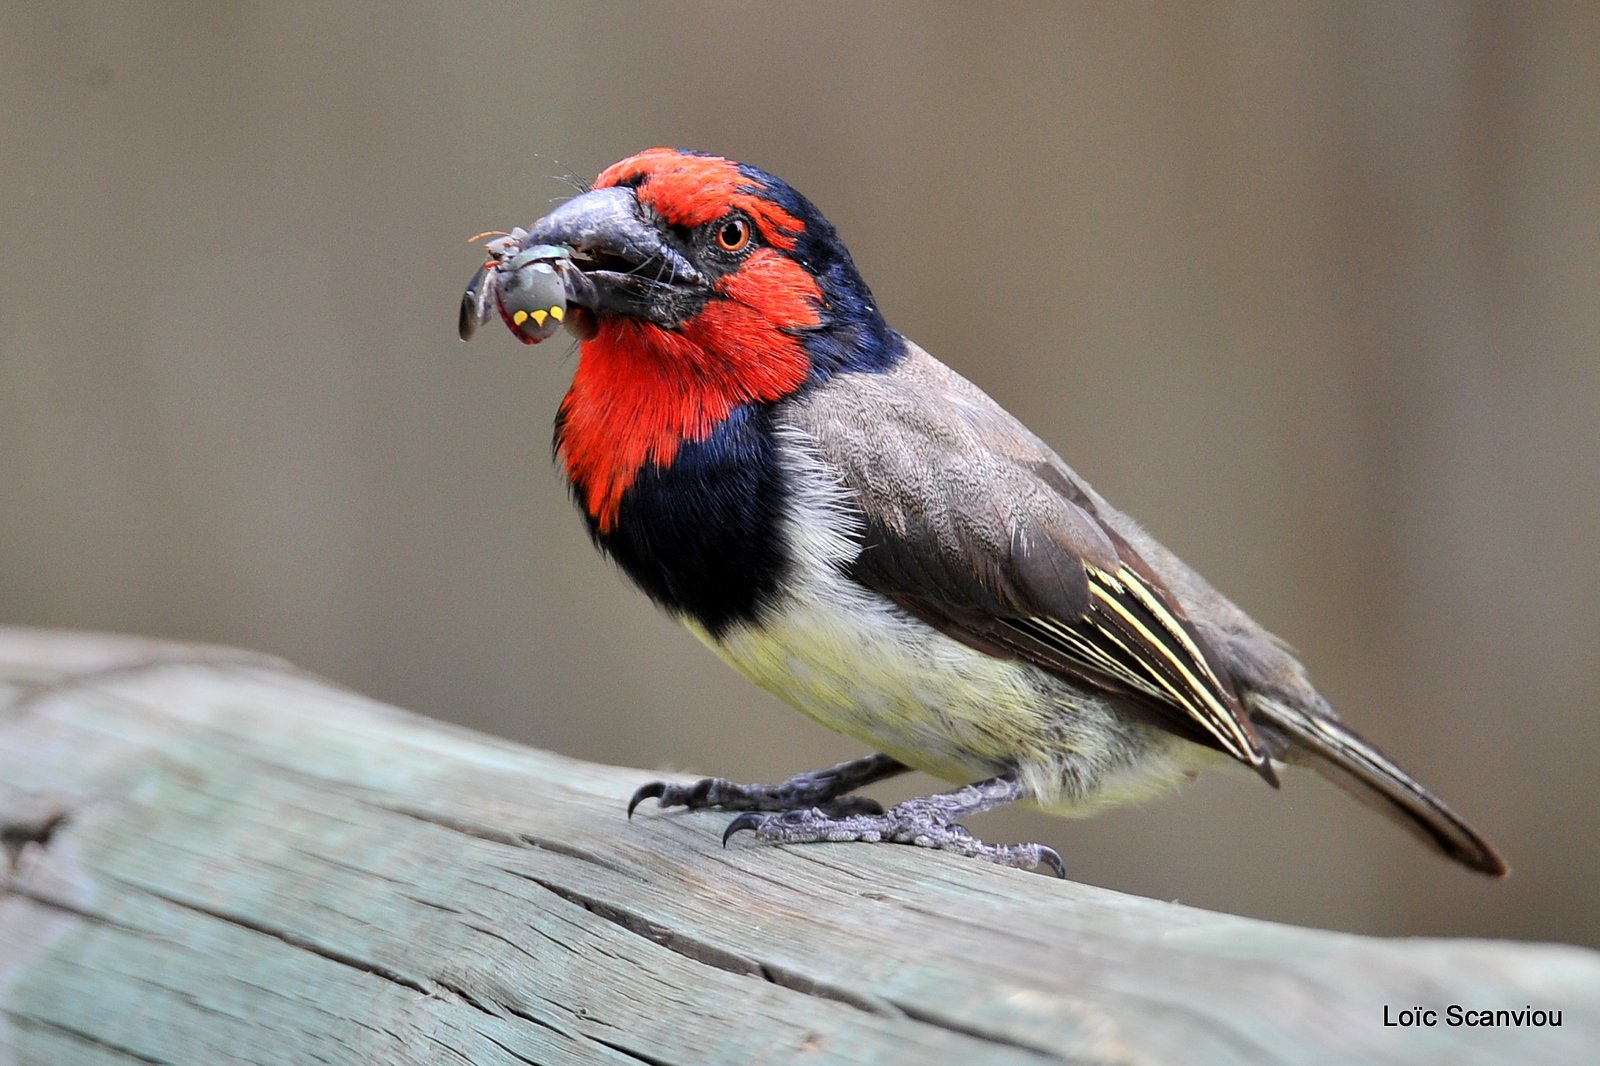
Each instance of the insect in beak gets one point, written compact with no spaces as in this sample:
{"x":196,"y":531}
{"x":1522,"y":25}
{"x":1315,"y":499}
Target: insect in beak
{"x":527,"y":285}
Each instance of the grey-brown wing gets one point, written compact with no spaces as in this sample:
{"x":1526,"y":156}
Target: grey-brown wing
{"x":973,"y":525}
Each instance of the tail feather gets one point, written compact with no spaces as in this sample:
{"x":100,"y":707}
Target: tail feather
{"x":1369,"y":775}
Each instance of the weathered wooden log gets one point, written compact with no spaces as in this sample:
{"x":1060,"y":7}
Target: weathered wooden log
{"x":210,"y":857}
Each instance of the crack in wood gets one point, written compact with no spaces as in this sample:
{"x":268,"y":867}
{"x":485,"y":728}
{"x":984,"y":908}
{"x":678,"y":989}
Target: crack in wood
{"x":285,"y":936}
{"x":507,"y":941}
{"x":708,"y":954}
{"x":988,"y":1036}
{"x":533,"y":1019}
{"x":578,"y":853}
{"x":430,"y":903}
{"x":34,"y":1021}
{"x":446,"y":1048}
{"x":648,"y":1060}
{"x":472,"y":1001}
{"x":458,"y":992}
{"x":500,"y":837}
{"x":510,"y":1051}
{"x":480,"y":832}
{"x":94,"y":917}
{"x":16,"y":835}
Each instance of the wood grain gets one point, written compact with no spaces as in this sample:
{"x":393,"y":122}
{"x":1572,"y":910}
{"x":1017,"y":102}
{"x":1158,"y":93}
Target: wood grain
{"x":212,"y":858}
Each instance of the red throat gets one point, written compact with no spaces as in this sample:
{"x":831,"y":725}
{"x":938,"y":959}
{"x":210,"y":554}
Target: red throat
{"x":640,"y":391}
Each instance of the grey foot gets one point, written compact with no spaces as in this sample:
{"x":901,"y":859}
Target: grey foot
{"x":818,"y":788}
{"x":924,"y":823}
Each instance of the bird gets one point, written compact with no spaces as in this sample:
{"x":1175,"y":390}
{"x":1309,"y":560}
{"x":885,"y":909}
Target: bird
{"x":861,"y":531}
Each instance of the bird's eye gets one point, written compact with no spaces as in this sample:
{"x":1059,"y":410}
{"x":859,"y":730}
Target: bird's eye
{"x":733,"y":233}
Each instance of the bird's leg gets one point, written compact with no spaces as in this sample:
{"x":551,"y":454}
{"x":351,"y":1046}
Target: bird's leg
{"x":808,"y":790}
{"x":926,"y":823}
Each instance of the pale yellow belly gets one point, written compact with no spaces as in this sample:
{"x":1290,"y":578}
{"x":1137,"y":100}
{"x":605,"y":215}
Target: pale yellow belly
{"x":863,"y":667}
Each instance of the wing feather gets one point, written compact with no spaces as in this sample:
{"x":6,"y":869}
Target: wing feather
{"x":975,"y":526}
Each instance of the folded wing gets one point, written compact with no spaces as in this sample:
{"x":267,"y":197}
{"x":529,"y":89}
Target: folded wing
{"x":973,"y":525}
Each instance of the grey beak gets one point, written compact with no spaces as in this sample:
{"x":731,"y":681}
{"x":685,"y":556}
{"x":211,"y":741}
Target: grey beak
{"x":606,"y":225}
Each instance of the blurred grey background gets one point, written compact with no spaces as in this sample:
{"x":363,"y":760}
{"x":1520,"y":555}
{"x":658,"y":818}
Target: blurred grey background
{"x":1313,"y":290}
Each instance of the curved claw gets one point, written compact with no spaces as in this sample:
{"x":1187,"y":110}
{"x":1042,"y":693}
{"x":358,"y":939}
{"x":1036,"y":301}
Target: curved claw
{"x":748,"y":820}
{"x":653,"y":790}
{"x":1052,"y":858}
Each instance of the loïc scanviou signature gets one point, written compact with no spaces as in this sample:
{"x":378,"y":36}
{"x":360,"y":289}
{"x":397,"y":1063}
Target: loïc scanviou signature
{"x":1417,"y":1017}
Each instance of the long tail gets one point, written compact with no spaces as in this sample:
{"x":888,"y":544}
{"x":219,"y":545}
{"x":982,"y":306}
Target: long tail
{"x":1372,"y":777}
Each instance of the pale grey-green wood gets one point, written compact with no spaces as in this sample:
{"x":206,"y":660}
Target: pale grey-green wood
{"x":212,"y":858}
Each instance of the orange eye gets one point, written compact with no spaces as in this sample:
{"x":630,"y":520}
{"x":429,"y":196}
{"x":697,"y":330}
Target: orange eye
{"x":733,"y":234}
